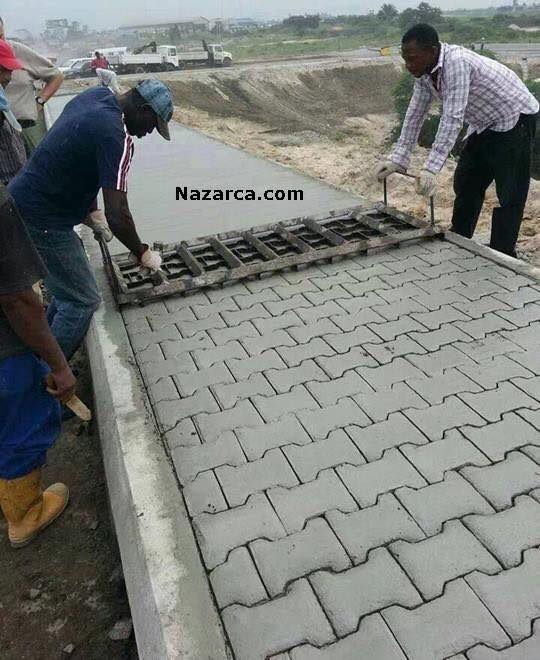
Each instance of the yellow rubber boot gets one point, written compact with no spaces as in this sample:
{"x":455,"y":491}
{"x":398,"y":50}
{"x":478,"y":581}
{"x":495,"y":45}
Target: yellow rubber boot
{"x":28,"y":509}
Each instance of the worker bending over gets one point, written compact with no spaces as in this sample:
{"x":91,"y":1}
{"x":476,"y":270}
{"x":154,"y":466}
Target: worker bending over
{"x":88,"y":148}
{"x":501,"y":115}
{"x":108,"y":78}
{"x":29,"y":414}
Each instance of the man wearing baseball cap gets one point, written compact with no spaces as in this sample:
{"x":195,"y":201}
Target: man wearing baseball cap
{"x":12,"y":151}
{"x":89,"y":147}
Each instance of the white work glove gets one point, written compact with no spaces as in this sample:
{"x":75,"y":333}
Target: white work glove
{"x":151,"y":259}
{"x":426,"y":183}
{"x":97,"y":222}
{"x":386,"y":168}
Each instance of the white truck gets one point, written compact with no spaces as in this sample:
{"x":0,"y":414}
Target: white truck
{"x":208,"y":55}
{"x":168,"y":58}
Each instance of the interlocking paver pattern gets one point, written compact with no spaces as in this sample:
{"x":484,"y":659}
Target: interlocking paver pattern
{"x":349,"y":595}
{"x":358,"y":445}
{"x":512,"y":596}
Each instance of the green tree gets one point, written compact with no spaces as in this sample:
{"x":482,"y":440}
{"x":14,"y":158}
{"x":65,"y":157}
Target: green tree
{"x":424,"y":13}
{"x":388,"y":13}
{"x":408,"y":18}
{"x":428,"y":14}
{"x":302,"y":23}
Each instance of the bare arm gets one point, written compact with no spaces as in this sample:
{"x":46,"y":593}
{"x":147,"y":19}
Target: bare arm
{"x":52,"y":86}
{"x":121,"y":221}
{"x":26,"y":316}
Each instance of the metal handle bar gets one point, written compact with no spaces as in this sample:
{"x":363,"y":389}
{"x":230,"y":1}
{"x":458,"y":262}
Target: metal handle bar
{"x":410,"y":176}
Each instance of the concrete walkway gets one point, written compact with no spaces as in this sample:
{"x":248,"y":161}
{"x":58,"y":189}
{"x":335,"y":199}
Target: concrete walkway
{"x":357,"y":445}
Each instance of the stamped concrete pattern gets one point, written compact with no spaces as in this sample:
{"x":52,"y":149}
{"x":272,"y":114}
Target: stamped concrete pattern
{"x":358,"y":444}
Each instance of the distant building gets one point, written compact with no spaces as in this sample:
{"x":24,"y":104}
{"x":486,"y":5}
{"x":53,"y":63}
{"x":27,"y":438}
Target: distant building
{"x":56,"y":23}
{"x":236,"y":24}
{"x":56,"y":30}
{"x":183,"y":26}
{"x":23,"y":35}
{"x":59,"y":30}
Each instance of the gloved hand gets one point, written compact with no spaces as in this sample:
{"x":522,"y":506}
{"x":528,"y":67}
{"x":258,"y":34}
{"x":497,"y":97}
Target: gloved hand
{"x":151,"y":259}
{"x":97,"y":222}
{"x":387,"y":168}
{"x":426,"y":183}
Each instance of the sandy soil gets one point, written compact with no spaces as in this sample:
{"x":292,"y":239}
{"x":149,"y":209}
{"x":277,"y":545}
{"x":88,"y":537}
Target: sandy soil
{"x":347,"y":156}
{"x":67,"y":587}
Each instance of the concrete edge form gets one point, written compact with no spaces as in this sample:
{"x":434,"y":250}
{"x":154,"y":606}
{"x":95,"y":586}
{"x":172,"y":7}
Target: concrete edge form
{"x":518,"y":266}
{"x":172,"y":607}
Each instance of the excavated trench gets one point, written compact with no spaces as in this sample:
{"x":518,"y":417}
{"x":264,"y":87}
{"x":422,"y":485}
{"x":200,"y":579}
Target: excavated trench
{"x":291,"y":99}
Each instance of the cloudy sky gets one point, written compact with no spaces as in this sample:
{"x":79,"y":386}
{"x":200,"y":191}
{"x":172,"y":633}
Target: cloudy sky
{"x":102,"y":13}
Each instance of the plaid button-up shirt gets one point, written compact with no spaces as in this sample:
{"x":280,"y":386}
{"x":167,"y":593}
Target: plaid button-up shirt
{"x":474,"y":90}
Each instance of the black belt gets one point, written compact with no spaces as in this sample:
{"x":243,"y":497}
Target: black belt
{"x":27,"y":123}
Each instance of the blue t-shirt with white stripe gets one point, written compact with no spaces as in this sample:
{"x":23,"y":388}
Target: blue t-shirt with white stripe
{"x":86,"y":149}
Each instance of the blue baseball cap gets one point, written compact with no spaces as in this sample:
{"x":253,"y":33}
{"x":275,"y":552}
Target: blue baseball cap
{"x":6,"y":111}
{"x":159,"y":98}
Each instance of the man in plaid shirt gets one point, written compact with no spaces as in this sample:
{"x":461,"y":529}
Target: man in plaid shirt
{"x":501,"y":115}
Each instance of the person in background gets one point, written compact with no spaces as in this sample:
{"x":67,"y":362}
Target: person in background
{"x":25,"y":104}
{"x":99,"y":61}
{"x":34,"y":378}
{"x":12,"y":152}
{"x":88,"y":148}
{"x":109,"y":79}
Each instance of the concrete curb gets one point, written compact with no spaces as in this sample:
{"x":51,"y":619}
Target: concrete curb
{"x":516,"y":265}
{"x":172,"y":607}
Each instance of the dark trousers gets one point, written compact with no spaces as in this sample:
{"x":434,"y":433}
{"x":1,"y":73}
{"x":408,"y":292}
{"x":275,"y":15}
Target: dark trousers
{"x":506,"y":159}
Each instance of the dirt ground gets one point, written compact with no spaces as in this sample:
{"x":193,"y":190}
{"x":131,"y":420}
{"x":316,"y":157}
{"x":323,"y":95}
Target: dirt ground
{"x":67,"y":587}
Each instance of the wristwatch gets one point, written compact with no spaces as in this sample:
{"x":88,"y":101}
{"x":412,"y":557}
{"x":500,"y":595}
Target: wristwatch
{"x":40,"y":101}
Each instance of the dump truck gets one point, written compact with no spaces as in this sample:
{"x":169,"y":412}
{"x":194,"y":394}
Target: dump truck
{"x":208,"y":55}
{"x":152,"y":58}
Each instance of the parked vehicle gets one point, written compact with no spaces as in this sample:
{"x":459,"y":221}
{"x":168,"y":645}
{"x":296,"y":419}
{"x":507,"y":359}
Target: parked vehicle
{"x":109,"y":52}
{"x":208,"y":55}
{"x":168,"y":58}
{"x":80,"y":68}
{"x":70,"y":64}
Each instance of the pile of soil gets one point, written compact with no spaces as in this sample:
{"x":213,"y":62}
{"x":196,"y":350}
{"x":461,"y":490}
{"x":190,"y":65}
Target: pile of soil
{"x":290,"y":98}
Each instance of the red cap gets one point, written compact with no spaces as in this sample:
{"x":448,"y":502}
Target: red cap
{"x":7,"y":57}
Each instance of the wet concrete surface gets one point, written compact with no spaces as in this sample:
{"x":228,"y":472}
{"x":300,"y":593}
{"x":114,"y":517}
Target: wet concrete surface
{"x":198,"y":162}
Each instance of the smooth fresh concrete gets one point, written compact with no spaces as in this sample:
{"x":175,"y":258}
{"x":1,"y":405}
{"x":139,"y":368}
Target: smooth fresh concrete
{"x":194,"y":160}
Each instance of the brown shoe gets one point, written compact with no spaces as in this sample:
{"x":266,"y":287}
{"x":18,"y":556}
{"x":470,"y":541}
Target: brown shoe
{"x":28,"y":509}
